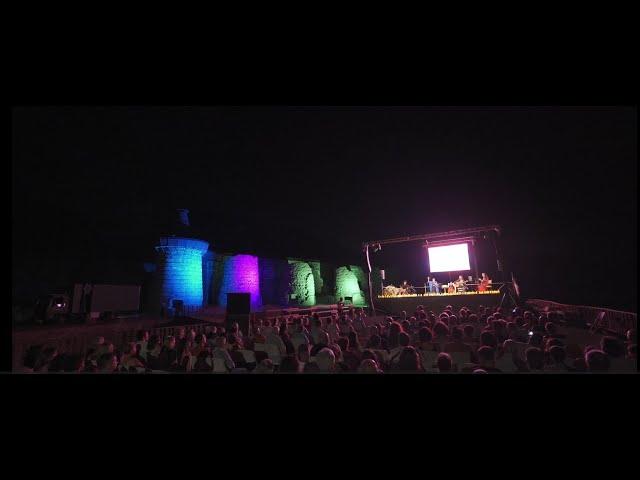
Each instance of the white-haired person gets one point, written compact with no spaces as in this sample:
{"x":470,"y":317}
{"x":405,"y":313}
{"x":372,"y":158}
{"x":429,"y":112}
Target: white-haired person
{"x":326,"y":360}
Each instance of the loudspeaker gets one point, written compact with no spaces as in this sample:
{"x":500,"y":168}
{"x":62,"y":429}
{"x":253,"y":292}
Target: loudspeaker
{"x":238,"y":303}
{"x":382,"y":274}
{"x":243,"y":322}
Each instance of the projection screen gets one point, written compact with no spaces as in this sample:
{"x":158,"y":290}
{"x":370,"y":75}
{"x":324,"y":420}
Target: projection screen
{"x":449,"y":258}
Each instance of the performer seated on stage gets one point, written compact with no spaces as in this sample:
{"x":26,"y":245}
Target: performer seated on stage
{"x":404,"y":288}
{"x":484,"y":284}
{"x":460,"y":284}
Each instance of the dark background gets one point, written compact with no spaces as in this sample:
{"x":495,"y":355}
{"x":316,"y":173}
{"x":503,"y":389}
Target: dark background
{"x":92,"y":188}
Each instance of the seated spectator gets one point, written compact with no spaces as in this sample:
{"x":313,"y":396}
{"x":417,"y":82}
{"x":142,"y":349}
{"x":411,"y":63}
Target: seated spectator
{"x":409,"y":361}
{"x":303,"y":354}
{"x":403,"y":341}
{"x":265,"y":366}
{"x":597,"y":361}
{"x":289,"y":364}
{"x":142,"y":338}
{"x":486,"y":361}
{"x":536,"y":340}
{"x":57,"y":363}
{"x":299,"y":337}
{"x":535,"y":360}
{"x":107,"y":363}
{"x":457,"y":344}
{"x":258,"y":337}
{"x":45,"y":358}
{"x":615,"y":350}
{"x":326,"y":359}
{"x":508,"y":358}
{"x":369,"y":366}
{"x":74,"y":363}
{"x":31,"y":359}
{"x":274,"y":338}
{"x":154,"y":347}
{"x":469,"y":335}
{"x":425,"y":339}
{"x":131,"y":358}
{"x":557,"y":359}
{"x":441,"y":335}
{"x":488,"y":339}
{"x":316,"y":330}
{"x":444,"y":363}
{"x":323,"y":342}
{"x":220,"y":351}
{"x":203,"y":362}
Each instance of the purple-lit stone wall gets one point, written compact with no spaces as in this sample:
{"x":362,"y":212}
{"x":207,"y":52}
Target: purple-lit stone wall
{"x":241,"y":274}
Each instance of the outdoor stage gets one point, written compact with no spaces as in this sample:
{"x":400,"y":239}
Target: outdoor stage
{"x":436,"y":302}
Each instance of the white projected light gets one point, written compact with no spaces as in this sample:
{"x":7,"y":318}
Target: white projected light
{"x":451,"y":258}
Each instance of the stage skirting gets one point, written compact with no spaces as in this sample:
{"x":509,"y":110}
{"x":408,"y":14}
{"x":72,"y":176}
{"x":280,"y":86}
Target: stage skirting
{"x":436,"y":303}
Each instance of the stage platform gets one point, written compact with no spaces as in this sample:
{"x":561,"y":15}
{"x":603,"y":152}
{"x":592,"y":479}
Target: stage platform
{"x":436,"y":302}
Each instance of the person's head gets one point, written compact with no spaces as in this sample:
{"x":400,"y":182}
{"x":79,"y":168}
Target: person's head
{"x":597,"y":361}
{"x":535,"y":358}
{"x":613,"y":347}
{"x":326,"y":359}
{"x":456,"y":334}
{"x":488,"y":339}
{"x":486,"y":356}
{"x":403,"y":339}
{"x":632,"y":351}
{"x":170,"y":342}
{"x":323,"y":338}
{"x":444,"y":362}
{"x":409,"y":360}
{"x":425,"y":335}
{"x":440,"y":329}
{"x":557,"y":354}
{"x":100,"y":341}
{"x":553,"y":342}
{"x":468,"y":331}
{"x":395,"y":328}
{"x":107,"y":362}
{"x":550,"y":328}
{"x":289,"y":364}
{"x":369,"y":365}
{"x":632,"y":336}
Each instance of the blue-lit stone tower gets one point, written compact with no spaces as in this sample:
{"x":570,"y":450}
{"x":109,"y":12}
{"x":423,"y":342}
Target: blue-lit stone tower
{"x":179,"y":266}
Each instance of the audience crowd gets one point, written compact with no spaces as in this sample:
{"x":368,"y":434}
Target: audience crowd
{"x":488,"y":340}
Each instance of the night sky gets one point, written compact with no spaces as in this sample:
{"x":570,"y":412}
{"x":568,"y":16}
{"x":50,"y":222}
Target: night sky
{"x":92,"y":188}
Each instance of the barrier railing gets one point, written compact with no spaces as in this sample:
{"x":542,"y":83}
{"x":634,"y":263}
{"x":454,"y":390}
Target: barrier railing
{"x":616,"y":321}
